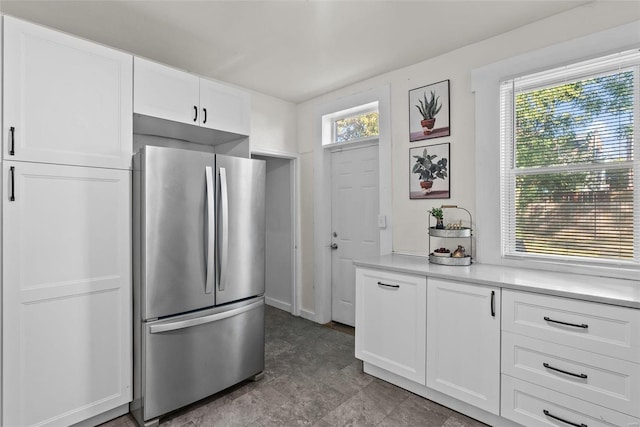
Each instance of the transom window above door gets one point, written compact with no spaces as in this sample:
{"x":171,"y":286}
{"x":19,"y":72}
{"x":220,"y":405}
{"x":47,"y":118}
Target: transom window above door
{"x":352,"y":125}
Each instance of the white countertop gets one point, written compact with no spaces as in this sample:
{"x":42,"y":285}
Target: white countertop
{"x":590,"y":288}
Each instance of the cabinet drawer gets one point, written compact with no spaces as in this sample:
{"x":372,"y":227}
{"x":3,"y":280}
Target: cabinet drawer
{"x":600,"y":328}
{"x":593,"y":377}
{"x":391,"y":322}
{"x":526,"y":403}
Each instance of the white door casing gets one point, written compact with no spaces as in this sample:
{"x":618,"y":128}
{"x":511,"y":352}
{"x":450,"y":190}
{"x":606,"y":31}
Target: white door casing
{"x":354,"y":213}
{"x":321,"y":132}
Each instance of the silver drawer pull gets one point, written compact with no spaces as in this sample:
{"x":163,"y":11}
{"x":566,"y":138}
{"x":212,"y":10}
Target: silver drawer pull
{"x":388,"y":286}
{"x":575,"y":325}
{"x":546,"y":365}
{"x":548,"y":414}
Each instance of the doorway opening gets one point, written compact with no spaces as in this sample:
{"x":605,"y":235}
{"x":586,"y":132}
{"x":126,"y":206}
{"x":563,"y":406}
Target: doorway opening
{"x":280,"y":229}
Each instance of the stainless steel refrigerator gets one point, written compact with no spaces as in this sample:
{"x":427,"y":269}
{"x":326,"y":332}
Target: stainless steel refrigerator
{"x":199,"y":262}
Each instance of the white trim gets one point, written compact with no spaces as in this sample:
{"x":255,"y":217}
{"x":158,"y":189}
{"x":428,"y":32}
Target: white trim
{"x":295,"y":232}
{"x":353,"y":145}
{"x":486,"y":85}
{"x":278,"y":304}
{"x":307,"y":314}
{"x":322,"y":189}
{"x":438,"y":397}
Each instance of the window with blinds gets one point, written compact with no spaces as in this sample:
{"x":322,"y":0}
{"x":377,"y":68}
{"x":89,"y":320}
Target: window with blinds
{"x":570,"y":162}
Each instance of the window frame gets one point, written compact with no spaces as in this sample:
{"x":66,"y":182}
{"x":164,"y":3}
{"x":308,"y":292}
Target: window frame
{"x":485,"y":83}
{"x":509,"y":171}
{"x":329,"y":138}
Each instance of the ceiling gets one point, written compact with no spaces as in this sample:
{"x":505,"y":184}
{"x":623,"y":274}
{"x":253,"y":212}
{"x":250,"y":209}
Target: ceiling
{"x":294,"y":50}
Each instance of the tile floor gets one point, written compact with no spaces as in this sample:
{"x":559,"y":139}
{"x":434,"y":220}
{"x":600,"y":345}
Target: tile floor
{"x":311,"y":379}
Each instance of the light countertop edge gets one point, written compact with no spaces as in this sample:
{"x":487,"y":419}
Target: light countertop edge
{"x":625,"y":293}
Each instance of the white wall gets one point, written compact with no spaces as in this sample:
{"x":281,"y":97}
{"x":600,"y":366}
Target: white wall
{"x":410,"y":220}
{"x":273,"y":124}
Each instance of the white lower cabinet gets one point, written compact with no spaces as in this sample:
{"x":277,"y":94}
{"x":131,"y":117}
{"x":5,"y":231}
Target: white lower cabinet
{"x":536,"y":406}
{"x":463,"y":342}
{"x":66,"y":297}
{"x":569,"y":362}
{"x":391,"y":322}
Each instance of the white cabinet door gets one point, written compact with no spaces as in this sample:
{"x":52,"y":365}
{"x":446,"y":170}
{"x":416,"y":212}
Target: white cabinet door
{"x":66,"y":295}
{"x":391,"y":322}
{"x":224,"y":108}
{"x":463,"y":342}
{"x":66,"y":100}
{"x":166,"y":93}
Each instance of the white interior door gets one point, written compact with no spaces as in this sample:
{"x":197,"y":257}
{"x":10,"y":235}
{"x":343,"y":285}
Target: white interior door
{"x":354,"y":212}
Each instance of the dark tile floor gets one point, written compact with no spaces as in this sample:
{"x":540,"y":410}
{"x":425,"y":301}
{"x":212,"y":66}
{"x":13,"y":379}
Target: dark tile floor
{"x":311,"y":379}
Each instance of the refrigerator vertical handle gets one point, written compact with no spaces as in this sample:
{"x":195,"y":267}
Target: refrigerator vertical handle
{"x":224,"y":219}
{"x":211,"y":227}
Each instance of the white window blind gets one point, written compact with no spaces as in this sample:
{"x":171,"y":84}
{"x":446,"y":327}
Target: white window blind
{"x":570,"y":162}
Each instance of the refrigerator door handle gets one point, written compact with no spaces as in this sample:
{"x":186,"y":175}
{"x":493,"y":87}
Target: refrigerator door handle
{"x":182,"y":324}
{"x":224,"y":217}
{"x":211,"y":227}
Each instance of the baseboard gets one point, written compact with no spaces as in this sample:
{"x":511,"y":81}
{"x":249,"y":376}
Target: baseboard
{"x":104,"y":417}
{"x":278,"y":304}
{"x":436,"y":396}
{"x":306,"y":314}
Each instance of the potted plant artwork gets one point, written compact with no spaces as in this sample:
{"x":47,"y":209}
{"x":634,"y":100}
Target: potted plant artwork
{"x":428,"y":110}
{"x":428,"y":169}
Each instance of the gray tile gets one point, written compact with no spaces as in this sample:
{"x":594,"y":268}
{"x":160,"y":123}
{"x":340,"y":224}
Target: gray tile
{"x":359,"y":410}
{"x":387,"y":396}
{"x":458,"y":420}
{"x":416,"y":411}
{"x":350,"y":379}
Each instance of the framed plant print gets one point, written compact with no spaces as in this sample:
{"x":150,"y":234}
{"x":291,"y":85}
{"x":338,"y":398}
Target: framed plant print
{"x":429,"y":111}
{"x":429,"y":172}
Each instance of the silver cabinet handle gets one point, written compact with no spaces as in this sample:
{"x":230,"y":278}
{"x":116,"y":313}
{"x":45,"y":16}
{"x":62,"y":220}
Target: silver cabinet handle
{"x":224,"y":218}
{"x":211,"y":226}
{"x":182,"y":324}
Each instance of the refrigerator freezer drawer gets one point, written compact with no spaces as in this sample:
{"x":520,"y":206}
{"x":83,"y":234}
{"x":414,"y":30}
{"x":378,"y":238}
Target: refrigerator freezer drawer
{"x":191,"y":357}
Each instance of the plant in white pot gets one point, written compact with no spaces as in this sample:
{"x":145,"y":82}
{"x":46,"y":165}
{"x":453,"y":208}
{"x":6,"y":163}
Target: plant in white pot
{"x":428,"y":169}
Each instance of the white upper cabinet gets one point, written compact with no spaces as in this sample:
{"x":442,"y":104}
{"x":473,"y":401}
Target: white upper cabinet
{"x":66,"y":100}
{"x":167,"y":93}
{"x":463,"y":342}
{"x":224,"y":108}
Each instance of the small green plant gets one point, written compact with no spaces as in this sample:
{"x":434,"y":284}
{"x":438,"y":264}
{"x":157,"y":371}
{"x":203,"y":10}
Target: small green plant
{"x":429,"y":108}
{"x":436,"y":212}
{"x":428,"y":169}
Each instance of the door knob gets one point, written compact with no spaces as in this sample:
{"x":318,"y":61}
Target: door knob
{"x":334,"y":246}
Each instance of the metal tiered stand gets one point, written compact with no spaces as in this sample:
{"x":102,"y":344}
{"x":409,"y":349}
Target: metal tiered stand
{"x":449,"y":233}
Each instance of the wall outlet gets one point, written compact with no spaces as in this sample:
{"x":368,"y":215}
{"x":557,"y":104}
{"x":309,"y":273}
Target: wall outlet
{"x":382,"y":221}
